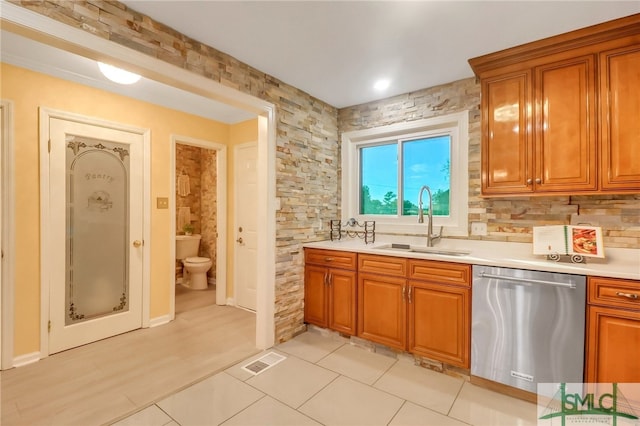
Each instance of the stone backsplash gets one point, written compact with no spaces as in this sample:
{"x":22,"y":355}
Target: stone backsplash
{"x":507,"y":219}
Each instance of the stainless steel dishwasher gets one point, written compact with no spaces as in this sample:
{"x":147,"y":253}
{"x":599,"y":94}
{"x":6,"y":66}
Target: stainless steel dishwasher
{"x":527,"y":326}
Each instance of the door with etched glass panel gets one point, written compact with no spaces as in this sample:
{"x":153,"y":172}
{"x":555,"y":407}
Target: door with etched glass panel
{"x":96,"y":187}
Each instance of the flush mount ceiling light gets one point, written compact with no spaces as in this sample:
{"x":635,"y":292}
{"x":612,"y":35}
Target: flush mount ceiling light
{"x":381,"y":84}
{"x":118,"y":75}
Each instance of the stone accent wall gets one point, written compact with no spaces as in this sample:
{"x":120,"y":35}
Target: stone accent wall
{"x":209,"y":203}
{"x":508,"y":219}
{"x":307,"y":133}
{"x":201,"y":167}
{"x":188,"y":162}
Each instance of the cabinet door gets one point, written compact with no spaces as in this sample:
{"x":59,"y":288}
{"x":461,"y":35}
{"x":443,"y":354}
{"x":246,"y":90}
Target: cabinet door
{"x":439,"y":322}
{"x":619,"y":119}
{"x":315,"y":295}
{"x":382,"y":309}
{"x":565,"y":135}
{"x":342,"y":301}
{"x":613,"y":346}
{"x":507,"y":154}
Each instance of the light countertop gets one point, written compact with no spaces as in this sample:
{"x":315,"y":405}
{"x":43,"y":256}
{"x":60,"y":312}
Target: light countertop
{"x":618,"y":263}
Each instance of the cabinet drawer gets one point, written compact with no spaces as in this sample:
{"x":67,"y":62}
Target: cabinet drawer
{"x":441,"y":272}
{"x":333,"y":258}
{"x":614,"y":292}
{"x":385,"y":265}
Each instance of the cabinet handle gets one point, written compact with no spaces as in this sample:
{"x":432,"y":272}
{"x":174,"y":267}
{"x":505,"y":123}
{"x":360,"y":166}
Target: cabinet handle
{"x":330,"y":278}
{"x":404,"y":291}
{"x":627,"y":295}
{"x":328,"y":259}
{"x":410,"y":290}
{"x":324,"y":278}
{"x":529,"y":181}
{"x":538,"y":180}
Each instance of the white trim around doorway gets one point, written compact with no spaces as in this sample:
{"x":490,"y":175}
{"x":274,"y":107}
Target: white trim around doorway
{"x":221,"y":214}
{"x":8,"y":236}
{"x":46,"y":114}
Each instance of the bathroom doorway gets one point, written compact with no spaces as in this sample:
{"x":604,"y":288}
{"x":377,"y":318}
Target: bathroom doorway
{"x":198,"y":204}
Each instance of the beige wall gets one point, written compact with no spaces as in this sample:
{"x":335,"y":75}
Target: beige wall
{"x":29,"y":91}
{"x":306,"y":130}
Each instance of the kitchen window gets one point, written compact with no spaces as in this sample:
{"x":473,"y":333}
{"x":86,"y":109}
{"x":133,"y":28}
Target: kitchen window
{"x":385,"y":167}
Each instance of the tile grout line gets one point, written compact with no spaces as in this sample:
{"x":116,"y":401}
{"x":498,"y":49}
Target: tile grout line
{"x":264,"y":395}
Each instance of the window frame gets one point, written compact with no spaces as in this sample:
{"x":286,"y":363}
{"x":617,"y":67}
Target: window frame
{"x":455,"y":125}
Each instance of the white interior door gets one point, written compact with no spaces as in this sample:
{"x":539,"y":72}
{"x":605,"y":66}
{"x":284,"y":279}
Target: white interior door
{"x":246,"y":219}
{"x":95,"y":232}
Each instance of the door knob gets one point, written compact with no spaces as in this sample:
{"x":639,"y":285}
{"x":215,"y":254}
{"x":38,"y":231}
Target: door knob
{"x":137,"y":243}
{"x":239,"y":240}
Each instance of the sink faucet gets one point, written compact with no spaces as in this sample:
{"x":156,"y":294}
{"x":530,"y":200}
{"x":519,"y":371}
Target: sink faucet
{"x":431,"y":237}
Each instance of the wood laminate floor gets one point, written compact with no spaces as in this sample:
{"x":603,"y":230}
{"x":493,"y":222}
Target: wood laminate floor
{"x":103,"y":381}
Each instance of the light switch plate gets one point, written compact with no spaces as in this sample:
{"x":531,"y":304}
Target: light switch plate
{"x":162,"y":202}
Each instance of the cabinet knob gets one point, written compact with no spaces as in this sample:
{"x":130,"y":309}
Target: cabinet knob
{"x":538,"y":180}
{"x":137,"y":243}
{"x":529,"y":181}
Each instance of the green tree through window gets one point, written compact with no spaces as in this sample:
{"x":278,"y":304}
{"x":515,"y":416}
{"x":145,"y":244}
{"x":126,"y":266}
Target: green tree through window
{"x":425,"y":161}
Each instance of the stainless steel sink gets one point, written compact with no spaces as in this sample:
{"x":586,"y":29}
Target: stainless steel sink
{"x":418,"y":249}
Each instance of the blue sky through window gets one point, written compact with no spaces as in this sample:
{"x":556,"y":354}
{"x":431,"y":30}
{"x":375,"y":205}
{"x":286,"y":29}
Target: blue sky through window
{"x":426,"y":161}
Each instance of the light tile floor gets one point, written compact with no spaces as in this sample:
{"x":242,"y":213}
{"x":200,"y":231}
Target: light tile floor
{"x":327,"y":381}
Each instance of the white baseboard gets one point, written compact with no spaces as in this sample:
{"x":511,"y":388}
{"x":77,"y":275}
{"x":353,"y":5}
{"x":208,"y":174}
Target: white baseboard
{"x":162,"y":320}
{"x":26,"y":359}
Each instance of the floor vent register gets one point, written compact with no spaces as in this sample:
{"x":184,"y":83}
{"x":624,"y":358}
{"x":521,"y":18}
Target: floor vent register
{"x":263,"y":363}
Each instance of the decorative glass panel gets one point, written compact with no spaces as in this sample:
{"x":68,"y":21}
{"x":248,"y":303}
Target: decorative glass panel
{"x":97,"y":249}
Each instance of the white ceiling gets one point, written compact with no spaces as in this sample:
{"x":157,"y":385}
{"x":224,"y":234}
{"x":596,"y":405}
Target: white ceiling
{"x":336,"y":50}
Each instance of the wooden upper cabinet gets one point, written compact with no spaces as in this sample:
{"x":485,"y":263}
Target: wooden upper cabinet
{"x":620,"y":118}
{"x":507,"y":154}
{"x":565,"y":130}
{"x":560,"y":115}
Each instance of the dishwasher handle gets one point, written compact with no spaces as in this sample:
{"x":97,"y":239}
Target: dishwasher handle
{"x":527,"y":280}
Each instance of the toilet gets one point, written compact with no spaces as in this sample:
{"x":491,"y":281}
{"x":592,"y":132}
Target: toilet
{"x":194,"y":268}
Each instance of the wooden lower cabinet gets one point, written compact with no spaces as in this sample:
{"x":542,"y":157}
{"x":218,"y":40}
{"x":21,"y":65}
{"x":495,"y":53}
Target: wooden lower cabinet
{"x":330,"y":293}
{"x":614,"y":345}
{"x":342,"y":301}
{"x":439,"y":322}
{"x":416,"y":305}
{"x":382,"y":310}
{"x":613,"y":331}
{"x":315,"y":295}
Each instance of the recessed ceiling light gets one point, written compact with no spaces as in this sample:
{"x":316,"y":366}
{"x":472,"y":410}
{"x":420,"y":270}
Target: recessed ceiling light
{"x":381,"y":84}
{"x":118,"y":75}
